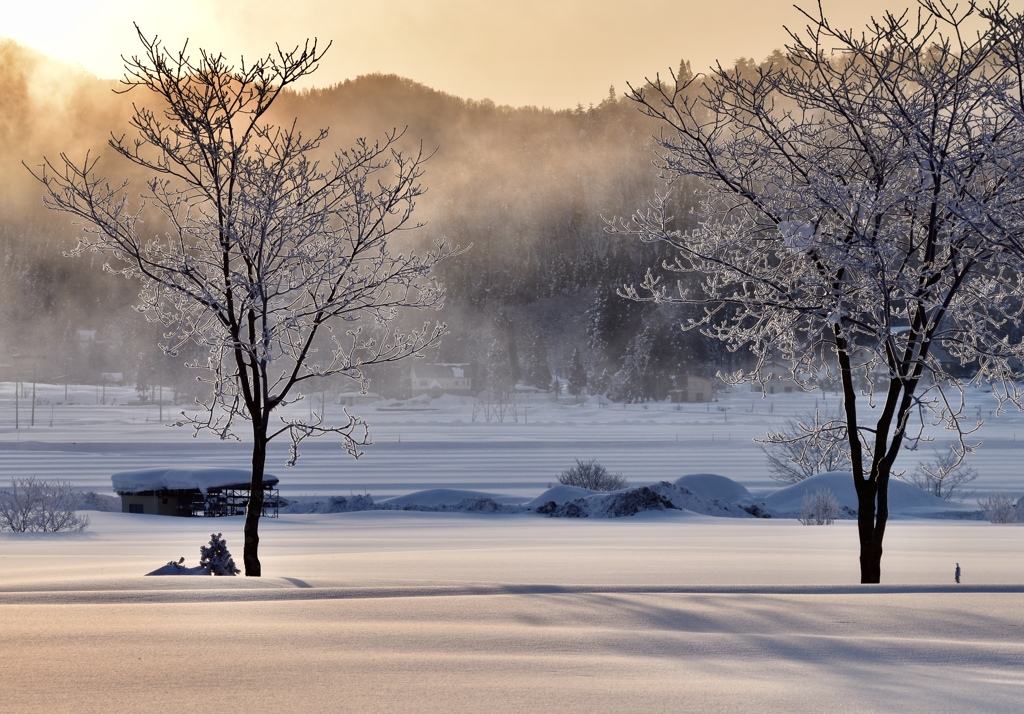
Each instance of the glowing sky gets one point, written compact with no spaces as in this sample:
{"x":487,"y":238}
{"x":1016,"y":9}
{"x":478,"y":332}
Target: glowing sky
{"x":554,"y":53}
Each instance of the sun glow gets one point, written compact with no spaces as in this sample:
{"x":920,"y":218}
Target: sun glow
{"x":556,"y":54}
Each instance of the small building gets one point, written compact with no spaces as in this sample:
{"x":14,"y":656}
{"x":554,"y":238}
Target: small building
{"x":776,"y":378}
{"x":694,"y":389}
{"x":192,"y":492}
{"x":442,"y":378}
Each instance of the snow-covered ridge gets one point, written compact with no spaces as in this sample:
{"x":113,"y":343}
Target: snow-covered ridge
{"x":704,"y":494}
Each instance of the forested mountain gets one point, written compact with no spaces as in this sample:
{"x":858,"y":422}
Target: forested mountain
{"x":524,"y":190}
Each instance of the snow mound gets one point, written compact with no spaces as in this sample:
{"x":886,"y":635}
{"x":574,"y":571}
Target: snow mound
{"x":904,"y":498}
{"x":560,"y":494}
{"x":452,"y":499}
{"x":176,"y":568}
{"x":451,"y":400}
{"x":334,"y":504}
{"x":630,"y":501}
{"x":202,"y":479}
{"x":471,"y":504}
{"x":435,"y":497}
{"x":714,"y":487}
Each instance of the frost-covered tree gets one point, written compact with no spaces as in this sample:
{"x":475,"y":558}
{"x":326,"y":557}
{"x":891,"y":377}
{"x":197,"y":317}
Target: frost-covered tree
{"x":999,"y":508}
{"x":534,"y":361}
{"x":630,"y":383}
{"x":611,"y":324}
{"x":944,"y":476}
{"x":32,"y":505}
{"x":805,"y":446}
{"x":577,"y":380}
{"x":819,"y":508}
{"x":252,"y":241}
{"x":860,"y":206}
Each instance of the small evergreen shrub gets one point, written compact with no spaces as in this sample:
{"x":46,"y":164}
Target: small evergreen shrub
{"x":216,"y":558}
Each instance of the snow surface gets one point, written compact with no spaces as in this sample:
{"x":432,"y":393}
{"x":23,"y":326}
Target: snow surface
{"x":416,"y":611}
{"x":183,"y":479}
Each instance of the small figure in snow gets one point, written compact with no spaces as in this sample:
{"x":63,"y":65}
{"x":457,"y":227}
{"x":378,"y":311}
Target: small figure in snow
{"x":956,"y":573}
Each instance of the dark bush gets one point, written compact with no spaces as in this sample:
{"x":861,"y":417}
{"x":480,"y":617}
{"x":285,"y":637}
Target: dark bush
{"x":593,"y":476}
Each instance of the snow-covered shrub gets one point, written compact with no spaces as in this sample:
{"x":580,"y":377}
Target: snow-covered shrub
{"x":216,"y":558}
{"x":999,"y":508}
{"x":819,"y":508}
{"x":593,"y":476}
{"x":33,"y":506}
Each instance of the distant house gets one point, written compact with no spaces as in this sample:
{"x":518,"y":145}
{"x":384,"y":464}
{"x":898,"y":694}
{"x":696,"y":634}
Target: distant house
{"x":192,"y":492}
{"x":435,"y":379}
{"x":776,"y":378}
{"x":693,"y":389}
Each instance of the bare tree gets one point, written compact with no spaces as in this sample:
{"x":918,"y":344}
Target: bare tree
{"x":848,"y":193}
{"x":592,"y":475}
{"x":34,"y":506}
{"x":944,"y":476}
{"x":805,"y":446}
{"x":247,"y":243}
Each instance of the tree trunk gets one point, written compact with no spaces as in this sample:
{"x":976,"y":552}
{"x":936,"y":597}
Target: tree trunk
{"x":254,"y":506}
{"x":872,"y":514}
{"x":870,"y":562}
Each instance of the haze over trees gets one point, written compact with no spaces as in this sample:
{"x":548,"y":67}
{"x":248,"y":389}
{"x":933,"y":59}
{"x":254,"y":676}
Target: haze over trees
{"x":860,"y":217}
{"x":525,"y":187}
{"x":285,"y":270}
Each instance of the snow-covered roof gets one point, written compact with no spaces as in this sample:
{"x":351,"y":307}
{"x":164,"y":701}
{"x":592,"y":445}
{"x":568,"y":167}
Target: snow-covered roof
{"x":183,"y":479}
{"x":439,"y":371}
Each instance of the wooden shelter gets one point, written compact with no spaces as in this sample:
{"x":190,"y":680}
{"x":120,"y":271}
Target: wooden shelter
{"x":192,"y":492}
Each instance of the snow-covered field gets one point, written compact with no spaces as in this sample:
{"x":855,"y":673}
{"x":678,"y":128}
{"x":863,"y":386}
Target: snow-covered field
{"x":406,"y":611}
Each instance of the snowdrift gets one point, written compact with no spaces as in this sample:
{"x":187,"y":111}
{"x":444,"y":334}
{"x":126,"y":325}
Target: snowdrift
{"x":905,"y":498}
{"x":714,"y":487}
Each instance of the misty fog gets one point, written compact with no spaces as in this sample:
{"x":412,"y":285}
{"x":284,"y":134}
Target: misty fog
{"x":524,"y":189}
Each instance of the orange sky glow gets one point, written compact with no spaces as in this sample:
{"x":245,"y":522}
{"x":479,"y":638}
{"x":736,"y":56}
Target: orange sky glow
{"x":554,"y":53}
